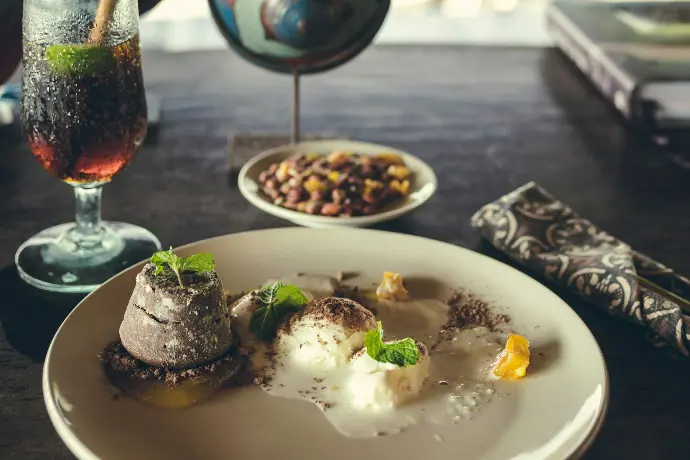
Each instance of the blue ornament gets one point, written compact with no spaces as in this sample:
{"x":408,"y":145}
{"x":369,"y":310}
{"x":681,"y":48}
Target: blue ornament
{"x":299,"y":36}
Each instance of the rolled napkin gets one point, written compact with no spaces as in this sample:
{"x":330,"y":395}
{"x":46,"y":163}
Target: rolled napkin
{"x":546,"y":236}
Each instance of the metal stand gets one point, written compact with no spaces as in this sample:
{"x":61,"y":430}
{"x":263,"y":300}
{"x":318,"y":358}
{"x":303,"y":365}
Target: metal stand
{"x":244,"y":146}
{"x":295,"y":134}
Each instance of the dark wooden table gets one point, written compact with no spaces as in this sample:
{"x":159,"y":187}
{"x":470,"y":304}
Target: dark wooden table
{"x":488,"y":120}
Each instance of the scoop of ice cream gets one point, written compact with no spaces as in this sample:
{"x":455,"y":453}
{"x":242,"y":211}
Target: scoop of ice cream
{"x":325,"y":333}
{"x":167,"y":325}
{"x":380,"y":386}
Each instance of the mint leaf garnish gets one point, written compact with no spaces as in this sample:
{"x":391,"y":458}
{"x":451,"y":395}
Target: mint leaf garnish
{"x":275,"y":302}
{"x":401,"y":353}
{"x":160,"y":259}
{"x":79,"y":60}
{"x":199,"y":263}
{"x":196,"y":263}
{"x":269,"y":294}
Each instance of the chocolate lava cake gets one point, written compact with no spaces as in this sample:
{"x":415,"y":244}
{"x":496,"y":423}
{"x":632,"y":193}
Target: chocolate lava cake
{"x":174,"y":333}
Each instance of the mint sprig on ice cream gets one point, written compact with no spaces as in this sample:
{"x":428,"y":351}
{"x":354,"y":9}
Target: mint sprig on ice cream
{"x":402,"y":353}
{"x":275,"y":302}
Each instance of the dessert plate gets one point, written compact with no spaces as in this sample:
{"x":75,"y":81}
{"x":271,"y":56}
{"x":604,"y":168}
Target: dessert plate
{"x":553,"y":413}
{"x":423,"y":183}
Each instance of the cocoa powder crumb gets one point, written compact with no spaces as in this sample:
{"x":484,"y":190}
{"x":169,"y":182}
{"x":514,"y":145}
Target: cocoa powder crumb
{"x":468,"y":310}
{"x":338,"y":310}
{"x":353,"y":293}
{"x":232,"y":298}
{"x":325,"y":405}
{"x":119,"y":363}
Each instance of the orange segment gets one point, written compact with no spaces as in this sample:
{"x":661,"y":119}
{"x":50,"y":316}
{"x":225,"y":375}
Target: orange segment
{"x":391,"y":287}
{"x":513,"y":360}
{"x":185,"y":395}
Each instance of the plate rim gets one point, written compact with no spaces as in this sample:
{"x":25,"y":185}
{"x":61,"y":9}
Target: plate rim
{"x":81,"y":451}
{"x":299,"y":217}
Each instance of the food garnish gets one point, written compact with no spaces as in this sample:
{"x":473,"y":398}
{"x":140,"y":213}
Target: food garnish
{"x":402,"y":353}
{"x":79,"y":60}
{"x":275,"y":302}
{"x":512,"y":362}
{"x":391,"y":287}
{"x":196,"y":263}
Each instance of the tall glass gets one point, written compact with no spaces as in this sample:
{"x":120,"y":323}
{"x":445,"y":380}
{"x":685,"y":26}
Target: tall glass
{"x":83,"y":111}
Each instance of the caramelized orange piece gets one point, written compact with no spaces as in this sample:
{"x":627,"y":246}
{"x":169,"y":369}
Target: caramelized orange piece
{"x":513,"y":360}
{"x":391,"y":287}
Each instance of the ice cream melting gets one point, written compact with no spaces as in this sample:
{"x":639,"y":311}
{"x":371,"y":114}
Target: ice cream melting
{"x":319,"y":356}
{"x":324,"y":334}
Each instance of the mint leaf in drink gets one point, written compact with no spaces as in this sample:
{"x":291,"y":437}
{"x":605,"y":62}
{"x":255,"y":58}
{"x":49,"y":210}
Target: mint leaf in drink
{"x":275,"y":302}
{"x":196,"y":263}
{"x":402,"y":353}
{"x":79,"y":60}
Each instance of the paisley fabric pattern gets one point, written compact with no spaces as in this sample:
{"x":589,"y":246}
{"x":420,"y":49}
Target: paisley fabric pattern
{"x":547,"y":237}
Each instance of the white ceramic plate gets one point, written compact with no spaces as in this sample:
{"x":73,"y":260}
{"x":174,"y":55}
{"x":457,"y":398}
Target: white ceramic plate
{"x":553,"y":413}
{"x":423,"y":183}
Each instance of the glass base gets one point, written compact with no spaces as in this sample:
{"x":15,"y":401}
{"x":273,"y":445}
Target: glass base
{"x":57,"y":260}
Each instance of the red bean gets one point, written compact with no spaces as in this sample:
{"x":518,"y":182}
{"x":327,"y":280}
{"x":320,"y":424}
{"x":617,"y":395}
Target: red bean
{"x":271,"y":184}
{"x":314,"y":207}
{"x":330,"y":209}
{"x":293,"y":196}
{"x":338,"y":196}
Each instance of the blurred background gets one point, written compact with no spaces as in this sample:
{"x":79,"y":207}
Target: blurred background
{"x":183,"y":25}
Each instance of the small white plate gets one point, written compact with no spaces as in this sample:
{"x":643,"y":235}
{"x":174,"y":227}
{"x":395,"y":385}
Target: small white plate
{"x":553,"y":413}
{"x":423,"y":183}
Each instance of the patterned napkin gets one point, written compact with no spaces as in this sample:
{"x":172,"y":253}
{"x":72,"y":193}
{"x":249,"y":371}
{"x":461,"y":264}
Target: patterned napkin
{"x":547,"y":237}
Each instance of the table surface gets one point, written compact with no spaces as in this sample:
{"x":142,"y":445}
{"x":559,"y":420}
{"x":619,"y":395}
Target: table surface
{"x":486,"y":119}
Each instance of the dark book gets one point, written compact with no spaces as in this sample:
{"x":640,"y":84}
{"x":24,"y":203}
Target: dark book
{"x":636,"y":53}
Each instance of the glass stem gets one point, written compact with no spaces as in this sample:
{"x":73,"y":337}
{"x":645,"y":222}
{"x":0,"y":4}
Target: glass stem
{"x":88,"y":212}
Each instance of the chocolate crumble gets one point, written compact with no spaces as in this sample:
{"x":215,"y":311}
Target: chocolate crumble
{"x":119,"y":363}
{"x":336,"y":310}
{"x":353,"y":293}
{"x":468,"y":310}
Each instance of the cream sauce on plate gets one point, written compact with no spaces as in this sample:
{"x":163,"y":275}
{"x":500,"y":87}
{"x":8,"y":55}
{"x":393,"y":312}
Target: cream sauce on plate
{"x":459,"y":382}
